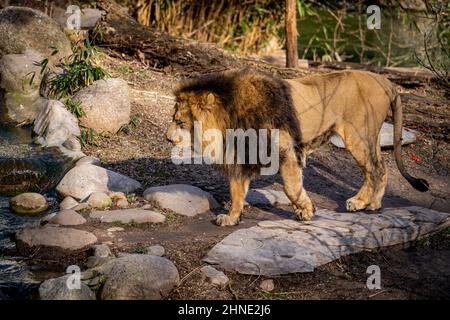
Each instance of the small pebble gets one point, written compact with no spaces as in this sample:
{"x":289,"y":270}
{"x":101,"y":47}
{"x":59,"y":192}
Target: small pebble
{"x":267,"y":285}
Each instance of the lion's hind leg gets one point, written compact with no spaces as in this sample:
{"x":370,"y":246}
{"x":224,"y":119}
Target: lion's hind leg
{"x":367,"y":153}
{"x":379,"y":177}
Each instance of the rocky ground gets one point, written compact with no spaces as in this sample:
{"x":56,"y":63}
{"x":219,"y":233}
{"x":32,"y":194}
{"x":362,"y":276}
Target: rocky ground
{"x":150,"y":240}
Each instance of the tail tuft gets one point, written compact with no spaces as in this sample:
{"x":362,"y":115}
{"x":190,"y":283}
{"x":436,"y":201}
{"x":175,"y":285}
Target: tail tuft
{"x":419,"y":184}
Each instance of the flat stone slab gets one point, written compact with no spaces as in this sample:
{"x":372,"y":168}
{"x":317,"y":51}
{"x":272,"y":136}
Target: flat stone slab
{"x":386,"y":136}
{"x":289,"y":246}
{"x":266,"y":197}
{"x":182,"y":199}
{"x":128,"y":215}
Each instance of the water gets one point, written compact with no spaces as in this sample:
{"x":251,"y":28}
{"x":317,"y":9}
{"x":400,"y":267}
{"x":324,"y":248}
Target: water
{"x":16,"y":280}
{"x":15,"y":277}
{"x":25,"y":166}
{"x":11,"y":135}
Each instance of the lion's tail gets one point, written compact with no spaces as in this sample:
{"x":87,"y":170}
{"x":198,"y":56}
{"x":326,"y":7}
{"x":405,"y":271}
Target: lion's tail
{"x":397,"y":112}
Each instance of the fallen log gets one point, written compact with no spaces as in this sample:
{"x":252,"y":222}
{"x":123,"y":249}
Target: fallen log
{"x":397,"y":75}
{"x":404,"y":76}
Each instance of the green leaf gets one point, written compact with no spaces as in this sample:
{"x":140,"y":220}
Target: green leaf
{"x":44,"y":64}
{"x":301,"y":10}
{"x":32,"y":78}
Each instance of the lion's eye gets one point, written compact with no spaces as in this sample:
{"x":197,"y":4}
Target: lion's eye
{"x":179,"y":122}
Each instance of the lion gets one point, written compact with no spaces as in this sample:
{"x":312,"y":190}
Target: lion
{"x":307,"y":112}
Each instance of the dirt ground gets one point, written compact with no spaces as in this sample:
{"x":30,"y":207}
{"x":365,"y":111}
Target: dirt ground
{"x":420,"y":271}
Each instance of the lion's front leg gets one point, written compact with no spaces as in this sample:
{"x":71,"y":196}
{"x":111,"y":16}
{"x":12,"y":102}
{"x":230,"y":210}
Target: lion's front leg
{"x":293,"y":187}
{"x":238,"y":190}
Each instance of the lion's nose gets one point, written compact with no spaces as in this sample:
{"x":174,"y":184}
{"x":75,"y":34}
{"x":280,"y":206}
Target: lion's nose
{"x":169,"y":136}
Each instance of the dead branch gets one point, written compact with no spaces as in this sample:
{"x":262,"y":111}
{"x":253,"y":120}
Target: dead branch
{"x":397,"y":75}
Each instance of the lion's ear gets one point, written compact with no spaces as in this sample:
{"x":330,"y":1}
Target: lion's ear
{"x":202,"y":102}
{"x":209,"y":100}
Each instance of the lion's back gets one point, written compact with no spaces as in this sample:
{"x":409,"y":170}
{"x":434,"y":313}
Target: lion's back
{"x":322,"y":101}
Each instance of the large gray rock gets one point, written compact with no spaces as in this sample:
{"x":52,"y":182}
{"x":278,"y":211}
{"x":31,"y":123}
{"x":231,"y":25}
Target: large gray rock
{"x":55,"y":124}
{"x":20,"y":100}
{"x":62,"y":289}
{"x":29,"y":203}
{"x":386,"y":136}
{"x":18,"y":70}
{"x":51,"y":241}
{"x":182,"y":199}
{"x":20,"y":109}
{"x":85,"y":179}
{"x":128,"y":215}
{"x":106,"y":104}
{"x":24,"y":28}
{"x":139,"y":277}
{"x":288,"y":246}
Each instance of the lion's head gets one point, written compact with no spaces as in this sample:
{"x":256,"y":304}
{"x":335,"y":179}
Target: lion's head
{"x":190,"y":108}
{"x":182,"y":119}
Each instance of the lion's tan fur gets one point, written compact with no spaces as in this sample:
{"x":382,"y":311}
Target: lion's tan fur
{"x":307,"y":111}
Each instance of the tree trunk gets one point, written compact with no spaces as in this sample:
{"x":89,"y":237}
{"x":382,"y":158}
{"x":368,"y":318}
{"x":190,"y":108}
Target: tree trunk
{"x":291,"y":34}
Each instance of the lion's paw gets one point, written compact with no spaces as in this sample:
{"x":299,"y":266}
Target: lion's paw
{"x":306,"y":213}
{"x":355,"y":204}
{"x":224,"y":220}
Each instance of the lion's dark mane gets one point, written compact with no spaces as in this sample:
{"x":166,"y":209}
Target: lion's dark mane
{"x":251,"y":98}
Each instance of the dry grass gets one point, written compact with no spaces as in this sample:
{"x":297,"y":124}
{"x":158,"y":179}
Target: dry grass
{"x":245,"y":26}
